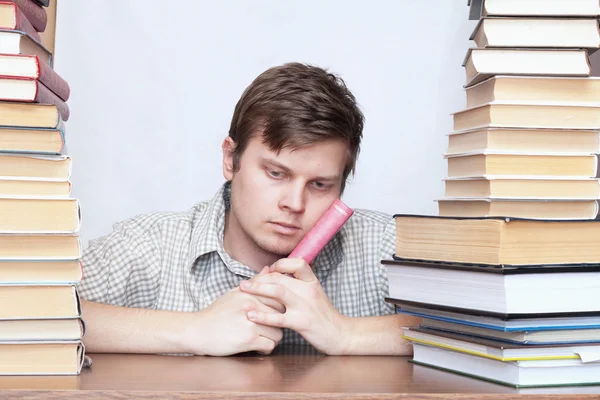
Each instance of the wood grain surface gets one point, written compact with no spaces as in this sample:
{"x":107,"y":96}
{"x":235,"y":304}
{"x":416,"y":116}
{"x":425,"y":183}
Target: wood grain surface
{"x":306,"y":376}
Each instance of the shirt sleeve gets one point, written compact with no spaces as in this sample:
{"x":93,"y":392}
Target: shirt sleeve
{"x":121,"y":268}
{"x":387,"y":249}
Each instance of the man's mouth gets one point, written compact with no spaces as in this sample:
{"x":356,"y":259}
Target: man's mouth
{"x":285,"y":228}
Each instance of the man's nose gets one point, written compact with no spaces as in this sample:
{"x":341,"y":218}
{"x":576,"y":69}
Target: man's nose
{"x":293,"y":198}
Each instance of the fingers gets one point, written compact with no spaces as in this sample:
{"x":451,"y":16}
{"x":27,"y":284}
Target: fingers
{"x":272,"y":333}
{"x":296,"y":267}
{"x":264,"y":345}
{"x":272,"y":320}
{"x":264,"y":271}
{"x":272,"y":304}
{"x":261,"y":303}
{"x":270,"y":290}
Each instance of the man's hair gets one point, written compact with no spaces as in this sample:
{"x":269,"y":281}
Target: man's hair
{"x":295,"y":105}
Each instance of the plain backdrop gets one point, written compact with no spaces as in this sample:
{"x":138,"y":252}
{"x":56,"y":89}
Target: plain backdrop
{"x":154,"y":85}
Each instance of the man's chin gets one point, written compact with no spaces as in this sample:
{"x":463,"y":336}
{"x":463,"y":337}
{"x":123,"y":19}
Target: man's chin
{"x":279,"y":249}
{"x":282,"y":252}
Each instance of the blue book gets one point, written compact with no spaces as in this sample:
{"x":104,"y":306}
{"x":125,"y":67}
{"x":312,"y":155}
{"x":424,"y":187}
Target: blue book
{"x":474,"y":319}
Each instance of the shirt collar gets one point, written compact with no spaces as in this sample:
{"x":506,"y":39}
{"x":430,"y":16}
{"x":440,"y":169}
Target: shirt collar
{"x":208,"y":225}
{"x":208,"y":228}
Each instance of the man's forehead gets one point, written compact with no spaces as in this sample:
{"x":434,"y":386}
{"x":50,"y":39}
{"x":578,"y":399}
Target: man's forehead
{"x":291,"y":145}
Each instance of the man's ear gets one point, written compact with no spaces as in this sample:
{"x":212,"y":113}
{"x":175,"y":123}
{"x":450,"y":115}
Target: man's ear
{"x":228,"y":148}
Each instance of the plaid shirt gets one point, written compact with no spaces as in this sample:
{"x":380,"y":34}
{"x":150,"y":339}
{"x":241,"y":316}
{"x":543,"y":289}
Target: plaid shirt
{"x":176,"y":261}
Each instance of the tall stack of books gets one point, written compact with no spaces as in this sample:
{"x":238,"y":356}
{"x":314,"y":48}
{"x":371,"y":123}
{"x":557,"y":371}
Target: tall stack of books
{"x":40,"y":315}
{"x":507,"y":276}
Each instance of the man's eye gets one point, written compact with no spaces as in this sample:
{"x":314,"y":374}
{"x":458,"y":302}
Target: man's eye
{"x":319,"y":185}
{"x":274,"y":174}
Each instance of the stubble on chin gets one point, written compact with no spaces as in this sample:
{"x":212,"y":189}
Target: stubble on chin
{"x":277,"y":247}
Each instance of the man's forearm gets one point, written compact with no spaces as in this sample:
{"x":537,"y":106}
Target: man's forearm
{"x":379,"y":335}
{"x":112,"y":329}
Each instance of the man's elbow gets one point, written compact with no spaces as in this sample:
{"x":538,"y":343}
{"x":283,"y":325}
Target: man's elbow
{"x":405,"y":348}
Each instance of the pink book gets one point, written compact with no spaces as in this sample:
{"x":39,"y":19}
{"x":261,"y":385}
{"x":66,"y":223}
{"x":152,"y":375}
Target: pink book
{"x":14,"y":19}
{"x":31,"y":91}
{"x":35,"y":13}
{"x":46,"y":96}
{"x":326,"y":227}
{"x":24,"y":66}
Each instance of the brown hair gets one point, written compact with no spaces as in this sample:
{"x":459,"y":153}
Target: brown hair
{"x":295,"y":105}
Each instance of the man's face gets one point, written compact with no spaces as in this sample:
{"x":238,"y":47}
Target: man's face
{"x":277,"y":198}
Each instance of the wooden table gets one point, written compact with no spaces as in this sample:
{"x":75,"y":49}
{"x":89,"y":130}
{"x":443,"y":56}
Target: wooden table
{"x":283,"y":375}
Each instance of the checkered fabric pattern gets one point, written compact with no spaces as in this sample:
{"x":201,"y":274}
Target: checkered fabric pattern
{"x":176,"y":261}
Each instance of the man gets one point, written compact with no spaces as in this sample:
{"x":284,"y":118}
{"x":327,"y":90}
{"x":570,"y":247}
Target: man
{"x":215,"y":280}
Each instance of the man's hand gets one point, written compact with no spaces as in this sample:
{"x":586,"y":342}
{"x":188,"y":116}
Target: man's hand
{"x":308,"y":309}
{"x":224,"y":329}
{"x":273,"y":303}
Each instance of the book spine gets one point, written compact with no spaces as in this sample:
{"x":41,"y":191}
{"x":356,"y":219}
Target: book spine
{"x":35,"y":13}
{"x":62,"y":129}
{"x":53,"y":81}
{"x":21,"y":23}
{"x":321,"y":233}
{"x":46,"y":96}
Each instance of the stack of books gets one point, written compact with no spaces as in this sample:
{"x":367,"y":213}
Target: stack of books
{"x":507,"y":276}
{"x":526,"y":145}
{"x":40,"y":314}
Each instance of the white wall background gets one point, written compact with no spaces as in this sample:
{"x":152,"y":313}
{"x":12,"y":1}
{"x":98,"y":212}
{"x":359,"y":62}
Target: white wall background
{"x":154,"y":85}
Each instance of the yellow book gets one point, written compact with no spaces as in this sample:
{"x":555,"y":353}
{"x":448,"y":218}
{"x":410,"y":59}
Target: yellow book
{"x":498,"y":350}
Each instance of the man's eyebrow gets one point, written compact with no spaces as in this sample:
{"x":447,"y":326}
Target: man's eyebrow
{"x":331,"y":178}
{"x":277,"y":164}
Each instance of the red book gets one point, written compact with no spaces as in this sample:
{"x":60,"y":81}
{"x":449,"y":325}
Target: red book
{"x":35,"y":13}
{"x":23,"y":66}
{"x":11,"y":17}
{"x":31,"y":91}
{"x":46,"y":96}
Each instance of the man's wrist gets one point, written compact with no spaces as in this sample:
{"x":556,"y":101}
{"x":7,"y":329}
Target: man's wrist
{"x":349,"y":336}
{"x":186,"y":334}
